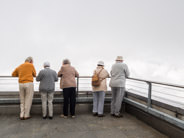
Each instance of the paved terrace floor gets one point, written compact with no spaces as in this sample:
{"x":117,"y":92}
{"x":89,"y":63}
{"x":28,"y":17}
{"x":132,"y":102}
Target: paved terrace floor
{"x":83,"y":126}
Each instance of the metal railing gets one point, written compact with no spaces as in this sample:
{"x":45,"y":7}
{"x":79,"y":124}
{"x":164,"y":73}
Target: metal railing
{"x":147,"y":108}
{"x":148,"y":82}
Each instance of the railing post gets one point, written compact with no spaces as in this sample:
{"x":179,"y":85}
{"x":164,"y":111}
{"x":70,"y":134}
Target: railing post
{"x":149,"y":94}
{"x":77,"y":86}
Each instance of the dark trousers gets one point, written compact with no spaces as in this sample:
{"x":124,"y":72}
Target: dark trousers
{"x":69,"y":95}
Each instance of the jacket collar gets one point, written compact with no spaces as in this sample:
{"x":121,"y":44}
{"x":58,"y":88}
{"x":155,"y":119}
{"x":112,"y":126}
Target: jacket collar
{"x":99,"y":67}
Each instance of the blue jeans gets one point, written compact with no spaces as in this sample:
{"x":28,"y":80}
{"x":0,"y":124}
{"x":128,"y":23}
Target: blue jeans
{"x":98,"y":102}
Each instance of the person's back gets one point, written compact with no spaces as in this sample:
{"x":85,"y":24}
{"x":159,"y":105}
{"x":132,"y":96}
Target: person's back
{"x":47,"y":78}
{"x":68,"y":74}
{"x":25,"y":72}
{"x":68,"y":84}
{"x":103,"y":74}
{"x":99,"y":90}
{"x":119,"y":73}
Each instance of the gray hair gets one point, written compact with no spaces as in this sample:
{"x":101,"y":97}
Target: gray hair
{"x":46,"y":64}
{"x":66,"y":61}
{"x":29,"y":59}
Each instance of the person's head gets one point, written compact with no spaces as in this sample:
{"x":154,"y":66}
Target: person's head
{"x":66,"y":61}
{"x":119,"y":59}
{"x":29,"y":59}
{"x":46,"y":64}
{"x":100,"y":63}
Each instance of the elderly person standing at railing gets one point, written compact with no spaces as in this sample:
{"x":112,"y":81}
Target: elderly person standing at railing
{"x":25,"y":72}
{"x":119,"y":73}
{"x":99,"y":90}
{"x":68,"y":84}
{"x":47,"y":78}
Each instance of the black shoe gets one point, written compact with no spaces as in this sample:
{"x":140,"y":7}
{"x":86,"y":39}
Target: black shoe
{"x":25,"y":118}
{"x":44,"y":117}
{"x":50,"y":117}
{"x":118,"y":116}
{"x":95,"y":114}
{"x":21,"y":118}
{"x":101,"y":115}
{"x":113,"y":115}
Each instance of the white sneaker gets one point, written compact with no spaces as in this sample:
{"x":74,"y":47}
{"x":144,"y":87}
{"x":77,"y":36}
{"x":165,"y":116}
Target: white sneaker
{"x":73,"y":116}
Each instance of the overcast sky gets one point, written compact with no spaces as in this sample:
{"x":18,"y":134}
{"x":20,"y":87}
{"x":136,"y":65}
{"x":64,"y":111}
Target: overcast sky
{"x":149,"y":34}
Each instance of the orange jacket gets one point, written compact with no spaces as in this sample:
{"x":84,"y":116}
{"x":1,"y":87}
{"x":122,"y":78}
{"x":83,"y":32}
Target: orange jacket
{"x":25,"y":72}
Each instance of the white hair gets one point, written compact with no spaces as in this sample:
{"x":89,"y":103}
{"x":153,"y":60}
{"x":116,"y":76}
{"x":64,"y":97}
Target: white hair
{"x":46,"y":64}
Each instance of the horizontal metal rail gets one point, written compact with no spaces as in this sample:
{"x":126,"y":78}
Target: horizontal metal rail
{"x":160,"y":83}
{"x":130,"y":78}
{"x":177,"y":122}
{"x":57,"y":100}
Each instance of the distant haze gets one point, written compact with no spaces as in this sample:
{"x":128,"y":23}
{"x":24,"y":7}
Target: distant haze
{"x":149,"y":34}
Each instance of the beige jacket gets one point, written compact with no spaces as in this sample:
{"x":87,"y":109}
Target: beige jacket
{"x":67,"y":74}
{"x":103,"y":75}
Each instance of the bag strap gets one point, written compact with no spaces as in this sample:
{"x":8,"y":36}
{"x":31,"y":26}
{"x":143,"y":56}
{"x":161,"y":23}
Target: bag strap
{"x":100,"y":71}
{"x":99,"y":74}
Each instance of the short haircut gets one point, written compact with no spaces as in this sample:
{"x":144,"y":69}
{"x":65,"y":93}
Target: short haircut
{"x":46,"y":64}
{"x":29,"y":59}
{"x":66,"y":61}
